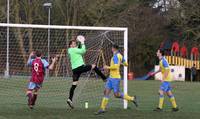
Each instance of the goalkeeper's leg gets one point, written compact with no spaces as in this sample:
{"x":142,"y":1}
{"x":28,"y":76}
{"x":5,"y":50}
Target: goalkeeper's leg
{"x":76,"y":76}
{"x":98,"y":72}
{"x":93,"y":67}
{"x":71,"y":94}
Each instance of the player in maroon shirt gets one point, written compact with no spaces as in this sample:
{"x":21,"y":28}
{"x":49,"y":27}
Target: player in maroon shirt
{"x":39,"y":66}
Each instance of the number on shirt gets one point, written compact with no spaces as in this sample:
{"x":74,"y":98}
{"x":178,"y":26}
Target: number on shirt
{"x":36,"y":65}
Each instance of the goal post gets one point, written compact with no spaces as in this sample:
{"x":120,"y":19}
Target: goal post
{"x":24,"y":37}
{"x":125,"y":83}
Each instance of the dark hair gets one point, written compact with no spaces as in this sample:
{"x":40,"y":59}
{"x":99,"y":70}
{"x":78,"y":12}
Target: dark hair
{"x":38,"y":53}
{"x":115,"y":46}
{"x":70,"y":42}
{"x":162,"y":51}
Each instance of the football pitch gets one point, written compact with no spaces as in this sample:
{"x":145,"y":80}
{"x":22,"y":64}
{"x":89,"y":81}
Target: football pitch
{"x":51,"y":103}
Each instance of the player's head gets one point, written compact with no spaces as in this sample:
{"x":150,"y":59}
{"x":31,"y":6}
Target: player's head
{"x":115,"y":48}
{"x":160,"y":53}
{"x":38,"y":53}
{"x":72,"y":44}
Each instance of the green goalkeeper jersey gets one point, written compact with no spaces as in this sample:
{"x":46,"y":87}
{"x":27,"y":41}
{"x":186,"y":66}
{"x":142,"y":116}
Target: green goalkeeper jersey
{"x":75,"y":55}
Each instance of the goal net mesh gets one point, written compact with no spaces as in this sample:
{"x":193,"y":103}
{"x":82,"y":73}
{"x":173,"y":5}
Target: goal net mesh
{"x":56,"y":86}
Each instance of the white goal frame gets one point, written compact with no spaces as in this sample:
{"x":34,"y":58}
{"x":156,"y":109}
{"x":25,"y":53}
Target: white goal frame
{"x":123,"y":29}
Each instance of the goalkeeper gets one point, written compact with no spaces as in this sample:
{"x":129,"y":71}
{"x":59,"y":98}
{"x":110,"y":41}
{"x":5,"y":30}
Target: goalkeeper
{"x":113,"y":82}
{"x":78,"y":66}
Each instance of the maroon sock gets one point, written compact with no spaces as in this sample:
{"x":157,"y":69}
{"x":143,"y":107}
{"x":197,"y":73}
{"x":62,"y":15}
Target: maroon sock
{"x":29,"y":95}
{"x":34,"y":99}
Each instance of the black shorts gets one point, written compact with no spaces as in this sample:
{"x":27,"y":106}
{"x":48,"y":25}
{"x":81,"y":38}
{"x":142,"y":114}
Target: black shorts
{"x":79,"y":70}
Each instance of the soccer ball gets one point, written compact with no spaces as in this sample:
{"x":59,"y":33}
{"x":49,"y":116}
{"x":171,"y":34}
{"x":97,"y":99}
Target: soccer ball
{"x":80,"y":38}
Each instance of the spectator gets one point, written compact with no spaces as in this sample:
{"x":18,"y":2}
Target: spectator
{"x":193,"y":73}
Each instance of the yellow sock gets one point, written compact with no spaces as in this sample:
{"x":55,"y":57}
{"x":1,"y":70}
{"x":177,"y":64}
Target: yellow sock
{"x":173,"y":101}
{"x":128,"y":98}
{"x":104,"y":103}
{"x":161,"y":101}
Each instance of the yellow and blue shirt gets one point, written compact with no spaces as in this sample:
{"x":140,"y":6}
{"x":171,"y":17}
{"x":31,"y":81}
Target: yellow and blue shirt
{"x":115,"y":63}
{"x":164,"y":66}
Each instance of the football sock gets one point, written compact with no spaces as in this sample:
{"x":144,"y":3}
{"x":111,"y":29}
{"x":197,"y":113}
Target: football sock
{"x":29,"y":95}
{"x":71,"y":93}
{"x":104,"y":103}
{"x":34,"y":98}
{"x":128,"y":98}
{"x":173,"y":101}
{"x":161,"y":101}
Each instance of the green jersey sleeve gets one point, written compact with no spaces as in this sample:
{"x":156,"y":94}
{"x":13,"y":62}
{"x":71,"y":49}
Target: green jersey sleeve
{"x":81,"y":50}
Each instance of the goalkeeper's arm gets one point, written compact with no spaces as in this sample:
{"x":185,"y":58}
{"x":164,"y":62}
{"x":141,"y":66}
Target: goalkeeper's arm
{"x":81,"y":50}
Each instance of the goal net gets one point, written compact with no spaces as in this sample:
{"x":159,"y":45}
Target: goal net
{"x":24,"y":38}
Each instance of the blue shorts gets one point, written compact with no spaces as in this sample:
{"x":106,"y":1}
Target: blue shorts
{"x":113,"y":83}
{"x":165,"y":86}
{"x":33,"y":85}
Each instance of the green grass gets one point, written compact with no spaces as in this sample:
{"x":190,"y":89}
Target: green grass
{"x":51,"y":103}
